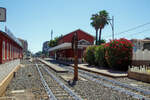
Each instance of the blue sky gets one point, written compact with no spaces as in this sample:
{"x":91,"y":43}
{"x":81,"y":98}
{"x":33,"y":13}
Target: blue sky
{"x":33,"y":20}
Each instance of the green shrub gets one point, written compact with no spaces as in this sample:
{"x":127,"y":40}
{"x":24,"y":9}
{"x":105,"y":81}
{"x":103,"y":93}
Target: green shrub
{"x":89,"y":55}
{"x":101,"y":42}
{"x":119,"y":53}
{"x":100,"y":56}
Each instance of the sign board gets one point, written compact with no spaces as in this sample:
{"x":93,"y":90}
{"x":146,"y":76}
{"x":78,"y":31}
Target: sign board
{"x":2,"y":14}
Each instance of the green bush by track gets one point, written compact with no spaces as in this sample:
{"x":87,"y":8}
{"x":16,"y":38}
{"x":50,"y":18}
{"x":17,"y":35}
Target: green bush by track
{"x":100,"y":56}
{"x":90,"y":55}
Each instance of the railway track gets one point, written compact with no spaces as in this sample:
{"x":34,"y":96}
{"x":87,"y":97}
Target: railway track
{"x":135,"y":92}
{"x":55,"y":89}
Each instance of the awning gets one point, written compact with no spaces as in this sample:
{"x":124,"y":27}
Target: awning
{"x":65,"y":46}
{"x":61,"y":46}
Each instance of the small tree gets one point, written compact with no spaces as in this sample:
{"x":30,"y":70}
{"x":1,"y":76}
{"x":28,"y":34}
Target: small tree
{"x":53,"y":43}
{"x":101,"y":42}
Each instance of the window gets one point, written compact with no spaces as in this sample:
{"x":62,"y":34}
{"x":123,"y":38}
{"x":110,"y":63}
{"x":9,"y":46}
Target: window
{"x":10,"y":51}
{"x":146,"y":46}
{"x":7,"y":50}
{"x":14,"y":52}
{"x":3,"y":50}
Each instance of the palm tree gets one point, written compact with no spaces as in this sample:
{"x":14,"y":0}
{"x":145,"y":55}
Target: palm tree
{"x":95,"y":24}
{"x":103,"y":21}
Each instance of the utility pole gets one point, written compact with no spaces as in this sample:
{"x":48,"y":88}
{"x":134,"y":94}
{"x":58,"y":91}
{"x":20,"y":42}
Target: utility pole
{"x":113,"y":27}
{"x":51,"y":34}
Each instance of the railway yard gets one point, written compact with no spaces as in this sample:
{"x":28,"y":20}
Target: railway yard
{"x":38,"y":81}
{"x":74,"y":50}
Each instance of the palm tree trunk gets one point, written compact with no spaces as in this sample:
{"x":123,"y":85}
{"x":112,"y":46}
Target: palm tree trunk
{"x":96,"y":35}
{"x":100,"y":31}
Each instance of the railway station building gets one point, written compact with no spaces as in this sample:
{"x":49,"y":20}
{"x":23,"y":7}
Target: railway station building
{"x":64,"y":51}
{"x":10,"y":47}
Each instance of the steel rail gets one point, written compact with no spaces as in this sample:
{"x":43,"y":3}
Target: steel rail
{"x":134,"y":95}
{"x":71,"y":93}
{"x":124,"y":85}
{"x":145,"y":92}
{"x":89,"y":76}
{"x":48,"y":90}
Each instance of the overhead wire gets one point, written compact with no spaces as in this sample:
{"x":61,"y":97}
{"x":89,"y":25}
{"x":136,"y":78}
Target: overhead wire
{"x":138,"y":33}
{"x":131,"y":29}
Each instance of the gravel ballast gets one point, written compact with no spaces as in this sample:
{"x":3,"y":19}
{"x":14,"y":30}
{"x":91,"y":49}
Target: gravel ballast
{"x":27,"y":78}
{"x":90,"y":90}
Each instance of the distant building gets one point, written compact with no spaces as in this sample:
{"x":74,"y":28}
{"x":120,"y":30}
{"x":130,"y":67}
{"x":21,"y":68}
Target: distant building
{"x":64,"y":51}
{"x":141,"y":44}
{"x":45,"y":47}
{"x":24,"y":44}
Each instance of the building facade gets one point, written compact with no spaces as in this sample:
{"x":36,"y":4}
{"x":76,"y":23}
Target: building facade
{"x":45,"y":47}
{"x":10,"y":47}
{"x":24,"y":44}
{"x":64,"y":51}
{"x":141,"y":44}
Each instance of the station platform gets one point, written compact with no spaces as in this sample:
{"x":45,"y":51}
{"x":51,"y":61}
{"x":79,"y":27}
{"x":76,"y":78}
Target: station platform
{"x":54,"y":67}
{"x":7,"y":73}
{"x":101,"y":71}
